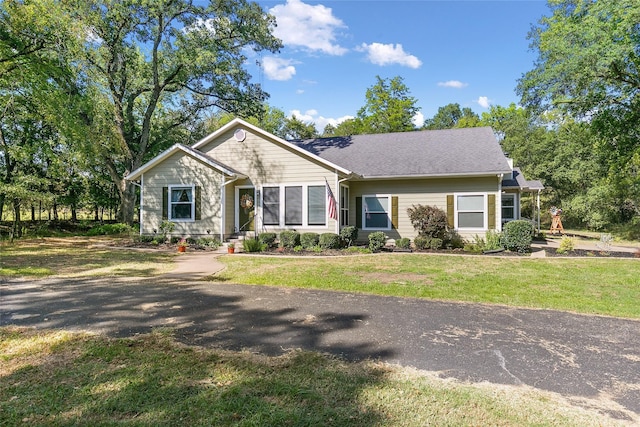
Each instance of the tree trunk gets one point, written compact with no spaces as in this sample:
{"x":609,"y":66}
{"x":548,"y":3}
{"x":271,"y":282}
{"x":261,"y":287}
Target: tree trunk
{"x":2,"y":196}
{"x":55,"y":210}
{"x":95,"y":212}
{"x":128,"y":201}
{"x":16,"y":228}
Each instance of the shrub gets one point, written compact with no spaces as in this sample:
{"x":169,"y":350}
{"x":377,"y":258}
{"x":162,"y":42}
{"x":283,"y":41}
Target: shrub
{"x":517,"y":236}
{"x":349,"y":235}
{"x":330,"y":241}
{"x":158,"y":240}
{"x":428,"y":221}
{"x":210,"y":242}
{"x":289,"y":239}
{"x":268,"y":239}
{"x":377,"y":240}
{"x":309,"y":240}
{"x":453,"y":239}
{"x":566,"y":245}
{"x":166,"y":227}
{"x":423,"y":242}
{"x":146,"y":238}
{"x":174,"y":240}
{"x":494,"y":240}
{"x":252,"y":245}
{"x":403,"y":243}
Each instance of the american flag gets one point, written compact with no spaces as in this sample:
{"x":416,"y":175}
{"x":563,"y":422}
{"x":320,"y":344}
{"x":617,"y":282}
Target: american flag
{"x":331,"y":202}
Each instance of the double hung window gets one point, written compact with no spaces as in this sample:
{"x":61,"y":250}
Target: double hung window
{"x":471,"y":211}
{"x":376,"y":212}
{"x":294,"y":205}
{"x":181,"y":203}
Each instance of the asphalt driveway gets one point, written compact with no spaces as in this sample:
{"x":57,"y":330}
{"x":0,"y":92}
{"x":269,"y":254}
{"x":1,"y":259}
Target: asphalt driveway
{"x":592,"y":360}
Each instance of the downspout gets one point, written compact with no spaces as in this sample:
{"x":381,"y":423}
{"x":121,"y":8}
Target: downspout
{"x":498,"y":214}
{"x":538,"y":205}
{"x":223,"y":205}
{"x":141,"y":198}
{"x":339,"y":202}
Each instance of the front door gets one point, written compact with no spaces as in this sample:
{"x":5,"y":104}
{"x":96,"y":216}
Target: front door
{"x":246,"y":206}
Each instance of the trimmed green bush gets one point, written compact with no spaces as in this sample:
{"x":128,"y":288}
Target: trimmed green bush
{"x":174,"y":239}
{"x":349,"y":235}
{"x":210,"y":242}
{"x":423,"y":242}
{"x":403,"y":243}
{"x":377,"y":240}
{"x":566,"y":245}
{"x":268,"y":239}
{"x":146,"y":238}
{"x":252,"y":245}
{"x":517,"y":236}
{"x":330,"y":241}
{"x":309,"y":240}
{"x":453,"y":240}
{"x":289,"y":239}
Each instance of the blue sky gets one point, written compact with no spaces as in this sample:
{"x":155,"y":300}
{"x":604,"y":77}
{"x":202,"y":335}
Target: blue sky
{"x":466,"y":52}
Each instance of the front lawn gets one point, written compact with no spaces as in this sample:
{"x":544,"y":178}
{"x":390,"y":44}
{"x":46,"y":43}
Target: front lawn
{"x":584,"y":285}
{"x":62,"y":378}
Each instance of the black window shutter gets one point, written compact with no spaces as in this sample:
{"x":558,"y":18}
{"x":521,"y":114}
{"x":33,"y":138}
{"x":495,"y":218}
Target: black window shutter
{"x":359,"y":213}
{"x":198,"y":203}
{"x":165,"y":202}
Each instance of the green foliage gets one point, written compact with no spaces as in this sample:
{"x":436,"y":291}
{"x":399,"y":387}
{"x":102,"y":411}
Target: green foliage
{"x":389,"y":107}
{"x":297,"y":129}
{"x":166,"y":228}
{"x":330,"y":241}
{"x":289,"y":239}
{"x":428,"y":221}
{"x":451,"y":116}
{"x":403,"y":243}
{"x":425,"y":242}
{"x":493,"y":240}
{"x":268,"y":239}
{"x":377,"y":240}
{"x":517,"y":236}
{"x":309,"y":240}
{"x":107,"y":229}
{"x":253,"y":245}
{"x":349,"y":235}
{"x":567,"y":244}
{"x":174,"y":240}
{"x":208,"y":242}
{"x":453,"y":240}
{"x":146,"y":238}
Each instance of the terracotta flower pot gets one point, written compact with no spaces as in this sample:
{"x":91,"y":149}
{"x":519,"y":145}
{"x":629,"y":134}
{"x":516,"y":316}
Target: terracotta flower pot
{"x":231,"y":250}
{"x":182,"y":248}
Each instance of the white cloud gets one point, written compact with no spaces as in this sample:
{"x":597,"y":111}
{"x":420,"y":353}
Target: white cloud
{"x":418,"y":119}
{"x":299,"y":91}
{"x":278,"y":68}
{"x":387,"y":54}
{"x":310,"y":27}
{"x":453,"y":83}
{"x":484,"y":102}
{"x":312,"y":116}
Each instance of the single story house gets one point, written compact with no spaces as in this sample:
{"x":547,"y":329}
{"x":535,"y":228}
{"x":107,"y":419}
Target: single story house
{"x":241,"y":178}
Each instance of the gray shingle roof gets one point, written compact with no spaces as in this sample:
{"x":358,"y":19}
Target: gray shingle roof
{"x":518,"y":180}
{"x":469,"y":151}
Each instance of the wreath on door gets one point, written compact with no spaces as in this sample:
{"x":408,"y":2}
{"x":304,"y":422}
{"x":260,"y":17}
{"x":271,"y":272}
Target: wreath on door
{"x":246,"y":202}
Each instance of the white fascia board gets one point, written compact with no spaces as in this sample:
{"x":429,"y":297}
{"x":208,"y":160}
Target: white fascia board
{"x":235,"y":122}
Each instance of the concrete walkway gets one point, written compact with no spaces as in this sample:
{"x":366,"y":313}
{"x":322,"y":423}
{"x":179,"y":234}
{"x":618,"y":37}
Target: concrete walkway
{"x":196,"y":265}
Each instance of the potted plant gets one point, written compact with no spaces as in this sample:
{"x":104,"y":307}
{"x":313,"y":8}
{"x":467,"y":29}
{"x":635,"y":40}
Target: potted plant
{"x":182,"y":245}
{"x":231,"y":247}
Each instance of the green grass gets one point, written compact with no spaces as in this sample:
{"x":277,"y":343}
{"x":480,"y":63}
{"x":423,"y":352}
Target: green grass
{"x":60,"y":378}
{"x":73,"y":256}
{"x":597,"y":286}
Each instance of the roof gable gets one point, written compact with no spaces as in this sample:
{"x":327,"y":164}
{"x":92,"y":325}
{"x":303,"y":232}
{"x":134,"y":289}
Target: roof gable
{"x":227,"y":170}
{"x":449,"y":152}
{"x":239,"y":123}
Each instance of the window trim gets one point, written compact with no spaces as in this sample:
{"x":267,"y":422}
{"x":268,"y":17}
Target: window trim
{"x":485,"y":211}
{"x":170,"y":189}
{"x":305,"y":206}
{"x":344,"y":205}
{"x":364,"y":212}
{"x":515,"y":201}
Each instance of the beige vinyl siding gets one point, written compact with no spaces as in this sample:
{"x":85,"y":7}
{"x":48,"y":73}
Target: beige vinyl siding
{"x":181,"y":169}
{"x":431,"y":192}
{"x":266,"y":161}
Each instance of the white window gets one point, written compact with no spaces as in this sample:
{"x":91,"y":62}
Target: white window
{"x":294,"y":205}
{"x":471,"y":211}
{"x":182,"y":205}
{"x":317,"y":205}
{"x":271,"y":205}
{"x":344,"y":206}
{"x":376,"y":212}
{"x":508,"y":207}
